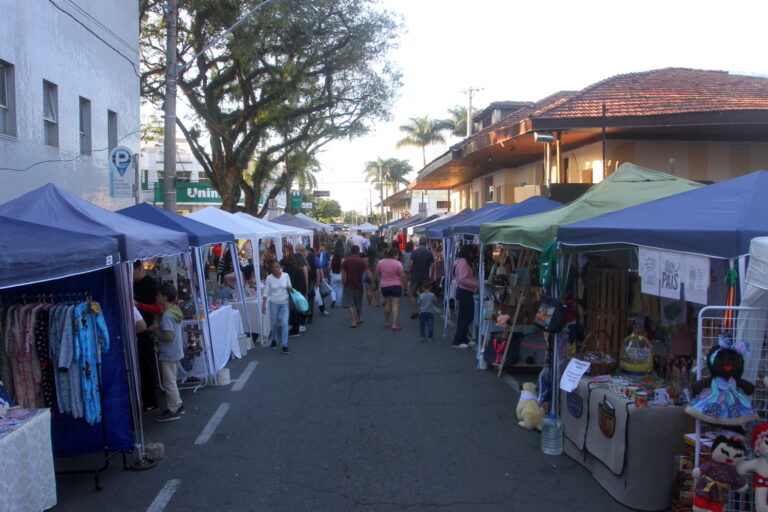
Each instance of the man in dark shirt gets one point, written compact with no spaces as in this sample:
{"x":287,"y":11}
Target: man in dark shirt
{"x":144,"y":296}
{"x":419,"y":269}
{"x":352,"y":269}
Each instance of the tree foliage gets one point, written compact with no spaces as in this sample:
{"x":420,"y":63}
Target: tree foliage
{"x":422,"y":132}
{"x":326,"y":210}
{"x":292,"y":77}
{"x":387,"y":173}
{"x":457,"y":121}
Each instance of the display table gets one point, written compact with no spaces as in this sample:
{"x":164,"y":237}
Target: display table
{"x":259,"y":322}
{"x":27,"y":480}
{"x":226,"y":325}
{"x":634,"y":462}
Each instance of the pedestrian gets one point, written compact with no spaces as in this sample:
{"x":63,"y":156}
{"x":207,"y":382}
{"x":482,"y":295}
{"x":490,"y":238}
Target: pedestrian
{"x":145,"y":297}
{"x":390,"y":270}
{"x":276,"y":289}
{"x":298,"y":283}
{"x":406,"y":254}
{"x":427,"y":302}
{"x":324,"y":262}
{"x":170,"y":350}
{"x":466,"y":286}
{"x":419,"y":269}
{"x":352,"y":270}
{"x":337,"y":285}
{"x":370,"y":281}
{"x":360,"y":241}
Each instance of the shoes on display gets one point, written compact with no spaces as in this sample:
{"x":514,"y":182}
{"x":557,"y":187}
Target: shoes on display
{"x":302,"y":328}
{"x":168,"y":416}
{"x":285,"y":351}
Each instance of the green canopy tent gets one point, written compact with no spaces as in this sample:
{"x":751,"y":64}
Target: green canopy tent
{"x":628,"y":186}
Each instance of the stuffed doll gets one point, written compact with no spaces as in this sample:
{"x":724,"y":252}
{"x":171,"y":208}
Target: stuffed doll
{"x":759,"y":466}
{"x":720,"y":397}
{"x":716,"y":477}
{"x":529,"y":413}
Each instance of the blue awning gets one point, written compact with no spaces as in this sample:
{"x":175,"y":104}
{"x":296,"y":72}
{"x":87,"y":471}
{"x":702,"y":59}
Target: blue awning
{"x":199,"y":234}
{"x":718,"y":220}
{"x":532,"y":205}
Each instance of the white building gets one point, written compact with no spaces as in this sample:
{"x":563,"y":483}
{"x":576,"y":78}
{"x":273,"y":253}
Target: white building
{"x":407,"y":203}
{"x":69,"y":92}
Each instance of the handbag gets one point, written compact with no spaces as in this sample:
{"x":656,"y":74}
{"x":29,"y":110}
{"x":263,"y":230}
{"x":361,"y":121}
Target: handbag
{"x":550,"y":315}
{"x":494,"y":350}
{"x":299,"y":301}
{"x":325,"y":289}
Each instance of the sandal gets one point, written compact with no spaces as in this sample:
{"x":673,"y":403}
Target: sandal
{"x":396,"y":328}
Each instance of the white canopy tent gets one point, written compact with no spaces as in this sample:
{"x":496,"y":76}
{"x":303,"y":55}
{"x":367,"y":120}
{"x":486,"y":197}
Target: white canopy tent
{"x":754,"y":295}
{"x":320,"y":225}
{"x":282,"y":229}
{"x":365,"y":227}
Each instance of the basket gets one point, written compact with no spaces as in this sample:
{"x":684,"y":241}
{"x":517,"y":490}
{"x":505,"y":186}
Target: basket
{"x":600,"y":362}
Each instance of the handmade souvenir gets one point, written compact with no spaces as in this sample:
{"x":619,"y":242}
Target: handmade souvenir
{"x":716,"y":477}
{"x":719,"y":398}
{"x":529,"y":413}
{"x":759,"y":466}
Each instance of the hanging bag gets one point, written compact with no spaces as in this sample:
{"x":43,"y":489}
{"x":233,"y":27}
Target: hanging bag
{"x":299,"y":301}
{"x":550,"y":315}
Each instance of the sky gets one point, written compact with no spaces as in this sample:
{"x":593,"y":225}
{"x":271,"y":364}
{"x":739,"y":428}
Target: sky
{"x":526,"y":50}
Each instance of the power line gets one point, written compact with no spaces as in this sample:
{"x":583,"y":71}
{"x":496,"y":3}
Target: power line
{"x":97,"y":36}
{"x":66,"y":159}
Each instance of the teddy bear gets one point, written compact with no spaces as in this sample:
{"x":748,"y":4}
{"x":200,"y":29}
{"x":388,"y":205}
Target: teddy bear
{"x":529,"y":413}
{"x":719,"y":475}
{"x":720,"y":397}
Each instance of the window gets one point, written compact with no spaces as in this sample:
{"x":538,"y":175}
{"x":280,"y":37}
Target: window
{"x":145,"y":179}
{"x":489,"y":189}
{"x":111,"y":130}
{"x":50,"y":114}
{"x":443,"y":205}
{"x":7,"y":118}
{"x":85,"y":126}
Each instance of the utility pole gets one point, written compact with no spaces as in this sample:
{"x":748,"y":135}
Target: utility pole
{"x":470,"y":92}
{"x":381,"y":193}
{"x":169,"y":144}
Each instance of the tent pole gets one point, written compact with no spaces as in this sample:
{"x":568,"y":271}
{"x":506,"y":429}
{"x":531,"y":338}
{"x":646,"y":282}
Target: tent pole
{"x":481,"y":287}
{"x":206,"y":324}
{"x":239,"y":277}
{"x":124,"y":276}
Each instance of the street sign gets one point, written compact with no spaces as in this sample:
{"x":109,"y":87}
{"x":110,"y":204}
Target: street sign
{"x":306,"y":206}
{"x":321,"y":193}
{"x":295,"y":200}
{"x":120,"y":181}
{"x":272,"y":204}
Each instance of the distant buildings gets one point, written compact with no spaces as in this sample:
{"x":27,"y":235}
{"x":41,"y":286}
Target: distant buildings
{"x":69,"y":92}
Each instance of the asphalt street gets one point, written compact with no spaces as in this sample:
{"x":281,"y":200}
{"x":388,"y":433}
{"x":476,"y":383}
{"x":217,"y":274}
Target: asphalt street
{"x":361,"y":419}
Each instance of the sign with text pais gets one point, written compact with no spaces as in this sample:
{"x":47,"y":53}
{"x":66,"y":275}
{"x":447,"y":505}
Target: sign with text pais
{"x":664,"y":273}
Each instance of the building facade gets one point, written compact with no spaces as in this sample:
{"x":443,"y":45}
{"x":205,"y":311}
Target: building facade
{"x":69,"y":92}
{"x":408,"y":203}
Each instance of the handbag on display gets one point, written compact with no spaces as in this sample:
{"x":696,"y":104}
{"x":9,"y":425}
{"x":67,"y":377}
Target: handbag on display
{"x":550,"y":315}
{"x":299,"y":301}
{"x":494,"y":350}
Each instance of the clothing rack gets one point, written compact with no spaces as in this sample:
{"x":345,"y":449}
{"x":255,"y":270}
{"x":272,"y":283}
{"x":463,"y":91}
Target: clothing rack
{"x":53,"y":298}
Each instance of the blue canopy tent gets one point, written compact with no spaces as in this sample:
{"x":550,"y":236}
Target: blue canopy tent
{"x":199,"y":235}
{"x":32,"y":253}
{"x":467,"y":217}
{"x":471,"y":225}
{"x":718,"y":221}
{"x":435,"y":228}
{"x":388,"y":224}
{"x":52,"y":206}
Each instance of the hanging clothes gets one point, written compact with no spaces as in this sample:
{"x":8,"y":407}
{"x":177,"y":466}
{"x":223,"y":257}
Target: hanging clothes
{"x":46,"y":364}
{"x":91,"y":338}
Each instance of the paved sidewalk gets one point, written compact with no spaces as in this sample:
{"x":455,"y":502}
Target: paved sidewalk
{"x":361,"y":419}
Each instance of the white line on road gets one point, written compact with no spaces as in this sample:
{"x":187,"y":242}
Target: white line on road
{"x":240,"y":382}
{"x":164,"y":496}
{"x":207,"y":432}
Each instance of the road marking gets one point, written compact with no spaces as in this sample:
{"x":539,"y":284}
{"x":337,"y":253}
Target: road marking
{"x":240,"y":382}
{"x":209,"y":429}
{"x":164,"y":496}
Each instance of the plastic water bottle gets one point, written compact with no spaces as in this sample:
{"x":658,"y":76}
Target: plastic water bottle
{"x":552,"y":435}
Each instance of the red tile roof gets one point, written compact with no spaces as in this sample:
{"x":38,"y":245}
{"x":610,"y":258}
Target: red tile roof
{"x":663,"y":91}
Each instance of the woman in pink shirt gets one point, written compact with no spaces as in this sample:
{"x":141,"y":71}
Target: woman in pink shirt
{"x":390,"y":271}
{"x":466,"y":287}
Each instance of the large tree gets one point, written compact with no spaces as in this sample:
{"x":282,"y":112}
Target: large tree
{"x":292,"y":77}
{"x":457,"y":121}
{"x":387,"y":173}
{"x":422,"y":132}
{"x":325,"y":210}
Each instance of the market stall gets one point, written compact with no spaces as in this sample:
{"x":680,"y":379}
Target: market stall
{"x":683,"y":246}
{"x":365,"y":227}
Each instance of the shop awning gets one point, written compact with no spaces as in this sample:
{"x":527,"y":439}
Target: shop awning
{"x":628,"y":186}
{"x":718,"y":220}
{"x":52,"y":206}
{"x":199,"y":234}
{"x":470,"y":225}
{"x":31,"y":253}
{"x":228,"y":222}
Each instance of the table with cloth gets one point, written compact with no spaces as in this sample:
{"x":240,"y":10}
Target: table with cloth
{"x":630,"y":455}
{"x":226,"y":325}
{"x":259,"y":322}
{"x":27,"y":479}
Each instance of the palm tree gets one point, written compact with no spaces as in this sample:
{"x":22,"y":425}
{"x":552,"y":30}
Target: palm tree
{"x":387,"y":173}
{"x":457,"y":121}
{"x":422,"y":132}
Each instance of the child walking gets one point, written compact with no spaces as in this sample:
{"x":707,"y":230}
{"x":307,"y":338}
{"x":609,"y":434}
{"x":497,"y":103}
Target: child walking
{"x":426,"y":303}
{"x":170,"y":350}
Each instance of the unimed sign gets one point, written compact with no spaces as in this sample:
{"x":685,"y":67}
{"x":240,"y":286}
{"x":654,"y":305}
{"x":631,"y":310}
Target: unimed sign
{"x":191,"y":193}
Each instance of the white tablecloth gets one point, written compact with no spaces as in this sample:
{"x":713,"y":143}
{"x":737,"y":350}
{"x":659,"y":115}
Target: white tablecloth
{"x":259,"y":323}
{"x":27,"y":480}
{"x":226,"y":325}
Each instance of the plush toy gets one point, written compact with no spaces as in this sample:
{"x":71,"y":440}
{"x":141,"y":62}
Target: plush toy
{"x":720,"y":397}
{"x":759,"y":466}
{"x":528,"y":410}
{"x":716,"y":477}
